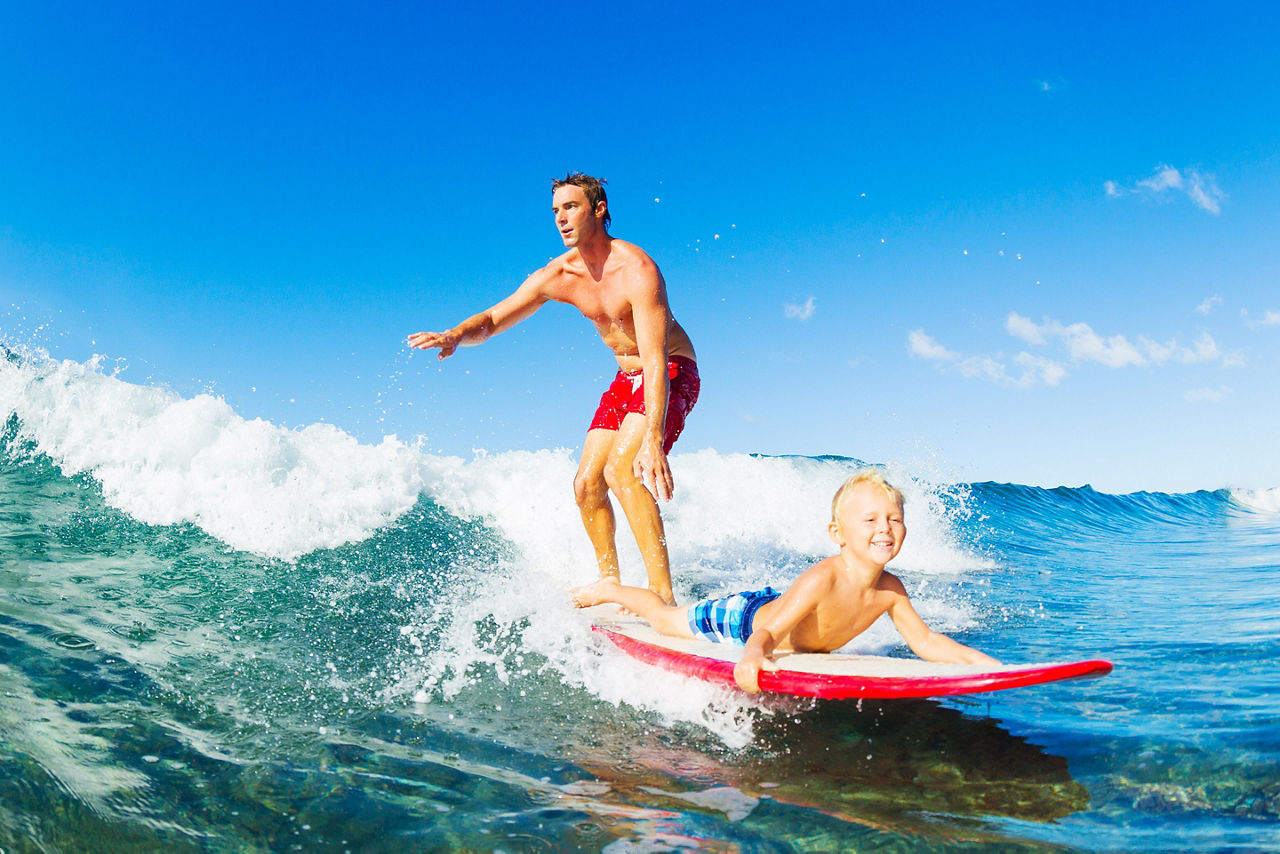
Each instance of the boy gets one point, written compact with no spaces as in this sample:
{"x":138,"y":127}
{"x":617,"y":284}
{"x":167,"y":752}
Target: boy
{"x":831,"y":603}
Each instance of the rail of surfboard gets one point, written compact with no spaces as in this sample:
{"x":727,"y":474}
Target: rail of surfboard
{"x":837,"y":675}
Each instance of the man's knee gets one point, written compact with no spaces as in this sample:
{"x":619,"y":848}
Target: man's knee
{"x":619,"y":474}
{"x":589,"y":488}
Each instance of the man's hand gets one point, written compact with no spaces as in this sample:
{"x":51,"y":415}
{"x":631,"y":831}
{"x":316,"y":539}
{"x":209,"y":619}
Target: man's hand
{"x":652,"y":469}
{"x":446,"y":341}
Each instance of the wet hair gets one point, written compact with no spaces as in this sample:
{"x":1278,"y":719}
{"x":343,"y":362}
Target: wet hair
{"x":871,"y":475}
{"x":593,"y":187}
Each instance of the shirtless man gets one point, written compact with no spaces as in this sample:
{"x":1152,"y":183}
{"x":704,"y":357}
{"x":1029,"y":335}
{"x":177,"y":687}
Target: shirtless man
{"x":618,"y":288}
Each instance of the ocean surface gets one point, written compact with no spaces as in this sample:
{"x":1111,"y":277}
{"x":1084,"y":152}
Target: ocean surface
{"x":217,"y":634}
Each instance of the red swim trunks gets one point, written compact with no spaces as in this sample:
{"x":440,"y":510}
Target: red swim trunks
{"x":626,"y":394}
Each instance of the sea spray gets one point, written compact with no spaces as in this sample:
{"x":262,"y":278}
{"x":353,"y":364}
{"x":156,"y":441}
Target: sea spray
{"x":165,"y":460}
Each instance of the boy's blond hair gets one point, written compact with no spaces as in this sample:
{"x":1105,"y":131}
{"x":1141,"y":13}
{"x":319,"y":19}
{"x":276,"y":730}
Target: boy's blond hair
{"x":872,"y":475}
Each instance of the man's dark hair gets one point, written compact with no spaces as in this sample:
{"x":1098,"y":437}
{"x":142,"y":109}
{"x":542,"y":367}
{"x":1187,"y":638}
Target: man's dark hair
{"x":592,"y":187}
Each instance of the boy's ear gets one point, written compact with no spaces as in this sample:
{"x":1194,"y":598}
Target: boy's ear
{"x":834,"y":532}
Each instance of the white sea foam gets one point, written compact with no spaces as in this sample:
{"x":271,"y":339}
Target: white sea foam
{"x":165,"y":460}
{"x":1261,"y":500}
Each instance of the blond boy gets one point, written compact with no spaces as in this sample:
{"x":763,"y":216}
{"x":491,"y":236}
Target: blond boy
{"x":832,"y":602}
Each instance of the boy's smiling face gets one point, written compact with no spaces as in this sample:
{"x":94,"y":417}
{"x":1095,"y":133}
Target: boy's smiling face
{"x":870,"y":523}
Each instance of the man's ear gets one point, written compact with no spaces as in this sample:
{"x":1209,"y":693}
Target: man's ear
{"x":836,"y":535}
{"x":602,"y":208}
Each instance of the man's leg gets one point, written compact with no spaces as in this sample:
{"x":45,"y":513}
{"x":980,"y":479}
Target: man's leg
{"x":592,"y":495}
{"x":639,"y":505}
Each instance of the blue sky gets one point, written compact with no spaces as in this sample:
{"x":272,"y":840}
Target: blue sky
{"x":1017,"y":242}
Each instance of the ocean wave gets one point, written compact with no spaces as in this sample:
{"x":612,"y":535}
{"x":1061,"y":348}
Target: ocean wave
{"x":1085,"y":509}
{"x":1258,"y":500}
{"x":261,"y":488}
{"x":166,"y":460}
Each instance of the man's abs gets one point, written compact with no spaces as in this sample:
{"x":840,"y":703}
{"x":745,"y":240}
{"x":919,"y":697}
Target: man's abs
{"x":627,"y":352}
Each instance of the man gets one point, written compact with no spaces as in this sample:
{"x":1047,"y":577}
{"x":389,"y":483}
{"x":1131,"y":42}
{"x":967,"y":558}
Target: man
{"x":618,"y":288}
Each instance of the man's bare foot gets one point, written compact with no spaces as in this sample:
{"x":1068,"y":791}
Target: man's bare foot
{"x":667,"y":597}
{"x":595,"y":593}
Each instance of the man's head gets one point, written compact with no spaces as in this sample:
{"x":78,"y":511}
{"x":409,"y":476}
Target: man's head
{"x":592,"y":187}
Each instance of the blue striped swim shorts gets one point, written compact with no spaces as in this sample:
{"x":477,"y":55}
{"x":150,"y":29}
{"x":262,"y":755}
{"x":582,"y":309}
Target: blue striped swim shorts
{"x":728,"y":619}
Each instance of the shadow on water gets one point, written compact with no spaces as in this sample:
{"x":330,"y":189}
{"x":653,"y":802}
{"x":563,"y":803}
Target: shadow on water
{"x":908,"y":770}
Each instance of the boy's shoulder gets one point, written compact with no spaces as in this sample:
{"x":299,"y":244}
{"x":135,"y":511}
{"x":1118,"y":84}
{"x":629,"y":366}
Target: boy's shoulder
{"x":890,"y":583}
{"x":822,"y":578}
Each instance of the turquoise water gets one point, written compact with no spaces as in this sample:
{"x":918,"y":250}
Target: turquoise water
{"x":220,"y":635}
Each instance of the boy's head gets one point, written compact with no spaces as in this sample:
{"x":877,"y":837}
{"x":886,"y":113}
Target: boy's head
{"x":592,"y":187}
{"x":867,"y":519}
{"x":869,"y":475}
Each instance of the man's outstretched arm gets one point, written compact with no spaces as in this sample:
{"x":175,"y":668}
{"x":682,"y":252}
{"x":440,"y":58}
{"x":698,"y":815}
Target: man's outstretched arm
{"x":478,"y":328}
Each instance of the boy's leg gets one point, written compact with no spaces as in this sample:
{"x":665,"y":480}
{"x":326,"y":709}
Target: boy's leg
{"x":639,"y":505}
{"x":592,"y":494}
{"x":670,"y":620}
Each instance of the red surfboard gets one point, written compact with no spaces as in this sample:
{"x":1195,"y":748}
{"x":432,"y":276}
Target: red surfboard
{"x":833,"y":675}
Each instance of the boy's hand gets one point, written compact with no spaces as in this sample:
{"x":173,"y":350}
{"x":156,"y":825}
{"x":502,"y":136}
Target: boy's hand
{"x":747,"y":672}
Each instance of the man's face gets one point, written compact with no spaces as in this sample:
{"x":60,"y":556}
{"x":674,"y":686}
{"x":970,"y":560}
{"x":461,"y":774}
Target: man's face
{"x":574,"y":217}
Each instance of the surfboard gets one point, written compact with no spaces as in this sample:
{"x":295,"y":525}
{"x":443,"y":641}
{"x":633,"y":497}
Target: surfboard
{"x":830,"y":675}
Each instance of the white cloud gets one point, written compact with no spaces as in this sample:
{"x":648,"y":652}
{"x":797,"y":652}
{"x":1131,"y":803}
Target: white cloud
{"x":984,"y":367}
{"x":1082,"y":342}
{"x":1204,"y":350}
{"x":1024,"y":328}
{"x":1117,"y":351}
{"x":1209,"y":304}
{"x":1207,"y":395}
{"x":1088,"y":346}
{"x":1078,"y":341}
{"x":799,"y":312}
{"x":1202,"y":190}
{"x":1205,"y":193}
{"x":1166,"y":178}
{"x":1038,"y":369}
{"x":1269,"y":317}
{"x":922,"y":345}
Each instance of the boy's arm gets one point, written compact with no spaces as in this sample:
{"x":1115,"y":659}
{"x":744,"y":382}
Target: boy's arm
{"x":798,"y":602}
{"x":477,"y":329}
{"x":924,"y":641}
